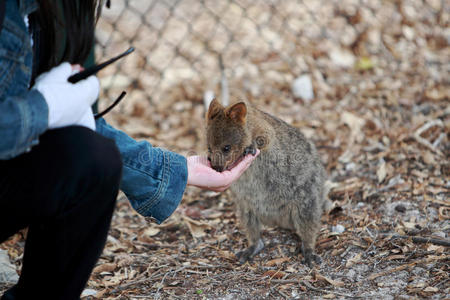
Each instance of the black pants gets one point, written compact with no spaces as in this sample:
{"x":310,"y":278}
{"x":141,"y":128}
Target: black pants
{"x":64,"y":191}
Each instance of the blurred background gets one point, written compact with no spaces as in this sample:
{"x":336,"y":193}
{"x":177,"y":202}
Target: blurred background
{"x":305,"y":61}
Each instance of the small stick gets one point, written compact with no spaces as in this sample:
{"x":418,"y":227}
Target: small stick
{"x":195,"y":272}
{"x":285,"y":281}
{"x":274,"y":290}
{"x":309,"y":286}
{"x":108,"y":109}
{"x":418,"y":239}
{"x":162,"y":282}
{"x":128,"y":284}
{"x":402,"y":267}
{"x":425,"y":142}
{"x":94,"y":69}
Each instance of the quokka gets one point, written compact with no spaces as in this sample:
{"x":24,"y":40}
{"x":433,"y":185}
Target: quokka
{"x":283,"y":187}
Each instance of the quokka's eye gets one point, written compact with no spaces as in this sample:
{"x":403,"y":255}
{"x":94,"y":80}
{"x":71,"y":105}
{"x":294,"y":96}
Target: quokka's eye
{"x":226,"y":149}
{"x":209,"y":149}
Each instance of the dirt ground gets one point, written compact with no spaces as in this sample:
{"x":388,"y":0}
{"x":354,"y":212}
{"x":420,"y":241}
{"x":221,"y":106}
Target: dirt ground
{"x":380,"y":118}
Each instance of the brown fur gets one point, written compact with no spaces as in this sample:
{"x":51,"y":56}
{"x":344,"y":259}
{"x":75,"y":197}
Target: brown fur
{"x":283,"y":187}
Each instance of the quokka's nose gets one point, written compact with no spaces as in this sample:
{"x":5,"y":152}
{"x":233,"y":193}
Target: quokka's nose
{"x":209,"y":159}
{"x":218,"y":168}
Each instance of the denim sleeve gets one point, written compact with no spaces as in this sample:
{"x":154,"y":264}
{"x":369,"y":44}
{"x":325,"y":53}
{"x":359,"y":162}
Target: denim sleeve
{"x":154,"y":179}
{"x":22,"y":121}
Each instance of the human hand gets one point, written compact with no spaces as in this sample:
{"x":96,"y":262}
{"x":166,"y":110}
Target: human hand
{"x":87,"y":120}
{"x":68,"y":104}
{"x":201,"y":175}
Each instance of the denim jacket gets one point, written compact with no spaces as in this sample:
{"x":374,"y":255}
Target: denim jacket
{"x":153,"y":179}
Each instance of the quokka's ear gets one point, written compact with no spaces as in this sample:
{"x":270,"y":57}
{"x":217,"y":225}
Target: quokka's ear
{"x":237,"y":112}
{"x":214,"y":109}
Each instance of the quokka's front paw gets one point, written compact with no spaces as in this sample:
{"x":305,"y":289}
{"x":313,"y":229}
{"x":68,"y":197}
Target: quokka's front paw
{"x":244,"y":256}
{"x":250,"y":150}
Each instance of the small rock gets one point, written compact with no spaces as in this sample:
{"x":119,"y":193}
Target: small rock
{"x":360,"y":204}
{"x":350,"y":166}
{"x":302,"y":88}
{"x":342,"y":58}
{"x":408,"y":33}
{"x":351,"y":274}
{"x":228,"y":297}
{"x":440,"y":234}
{"x":8,"y":272}
{"x":400,"y":208}
{"x":338,"y":228}
{"x":88,"y":292}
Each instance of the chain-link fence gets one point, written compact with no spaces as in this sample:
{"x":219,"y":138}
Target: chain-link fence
{"x":184,"y":40}
{"x":264,"y":45}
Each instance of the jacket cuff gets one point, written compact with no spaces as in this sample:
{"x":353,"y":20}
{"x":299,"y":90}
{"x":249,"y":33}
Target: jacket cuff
{"x":169,"y":193}
{"x":154,"y":179}
{"x":33,"y":112}
{"x":39,"y":115}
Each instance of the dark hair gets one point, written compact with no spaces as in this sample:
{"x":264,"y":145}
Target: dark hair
{"x":66,"y":30}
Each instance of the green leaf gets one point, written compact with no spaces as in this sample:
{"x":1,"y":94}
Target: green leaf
{"x":364,"y":63}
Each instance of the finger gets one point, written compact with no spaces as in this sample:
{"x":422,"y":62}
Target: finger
{"x":202,"y":160}
{"x":231,"y":175}
{"x":77,"y":68}
{"x":91,"y":88}
{"x":198,"y":160}
{"x":245,"y":163}
{"x":87,"y":119}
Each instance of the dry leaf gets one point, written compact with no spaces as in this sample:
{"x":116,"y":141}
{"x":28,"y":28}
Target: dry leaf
{"x":409,"y":225}
{"x":330,"y":281}
{"x":381,"y":172}
{"x":277,"y":261}
{"x":227,"y":254}
{"x":108,"y":267}
{"x":211,"y":214}
{"x":355,"y":124}
{"x":274,"y":274}
{"x":123,"y":260}
{"x":428,"y":158}
{"x":431,"y":289}
{"x":151,"y":231}
{"x":221,"y":238}
{"x":435,"y":248}
{"x":444,"y":213}
{"x":394,"y":257}
{"x":419,"y":285}
{"x":197,"y":228}
{"x":291,"y":269}
{"x":355,"y":259}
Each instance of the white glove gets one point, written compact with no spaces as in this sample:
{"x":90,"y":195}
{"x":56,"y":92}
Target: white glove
{"x":68,"y":103}
{"x":87,"y":120}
